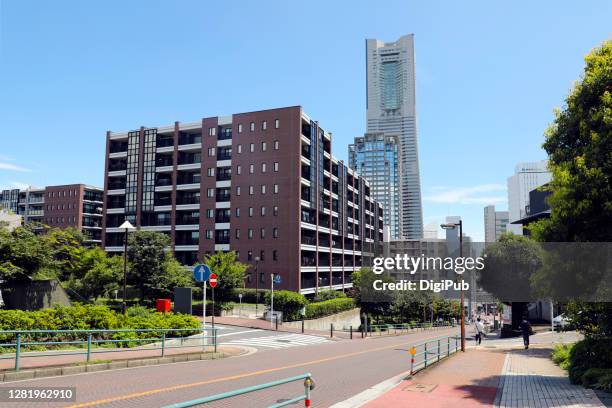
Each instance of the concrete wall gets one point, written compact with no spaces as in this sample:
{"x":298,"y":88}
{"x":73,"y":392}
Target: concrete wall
{"x":34,"y":295}
{"x":341,"y":321}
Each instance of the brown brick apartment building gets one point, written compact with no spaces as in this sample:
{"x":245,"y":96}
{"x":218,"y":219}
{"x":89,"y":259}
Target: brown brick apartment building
{"x":261,"y":183}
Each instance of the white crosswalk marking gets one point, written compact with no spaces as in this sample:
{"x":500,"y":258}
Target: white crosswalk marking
{"x":279,"y":342}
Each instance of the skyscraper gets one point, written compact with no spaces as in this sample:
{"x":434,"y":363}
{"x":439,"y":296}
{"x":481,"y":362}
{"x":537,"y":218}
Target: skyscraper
{"x":526,"y":177}
{"x":391,"y":109}
{"x":495,"y":222}
{"x":376,"y":157}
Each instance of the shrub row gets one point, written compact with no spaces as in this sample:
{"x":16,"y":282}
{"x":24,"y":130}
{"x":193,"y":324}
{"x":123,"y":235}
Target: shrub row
{"x":588,"y":362}
{"x":328,"y":307}
{"x":249,"y":295}
{"x":88,"y":317}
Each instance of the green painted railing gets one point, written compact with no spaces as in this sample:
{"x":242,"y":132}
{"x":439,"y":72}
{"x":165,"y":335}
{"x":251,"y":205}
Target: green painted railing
{"x":90,"y":342}
{"x":308,"y":386}
{"x":431,"y":351}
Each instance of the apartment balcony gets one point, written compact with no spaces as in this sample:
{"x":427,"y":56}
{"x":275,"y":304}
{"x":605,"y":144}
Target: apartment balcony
{"x":224,"y":156}
{"x":224,"y":174}
{"x":190,"y":138}
{"x":118,"y":146}
{"x":164,"y":141}
{"x":225,"y":134}
{"x":222,"y":197}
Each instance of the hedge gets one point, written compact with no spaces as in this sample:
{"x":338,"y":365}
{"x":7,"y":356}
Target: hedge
{"x":89,"y":317}
{"x":248,"y":295}
{"x":328,"y":307}
{"x":287,"y":302}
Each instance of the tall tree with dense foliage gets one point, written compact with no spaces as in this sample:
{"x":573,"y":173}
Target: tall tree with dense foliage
{"x":23,"y":254}
{"x":230,"y":272}
{"x":579,"y":145}
{"x":147,"y":257}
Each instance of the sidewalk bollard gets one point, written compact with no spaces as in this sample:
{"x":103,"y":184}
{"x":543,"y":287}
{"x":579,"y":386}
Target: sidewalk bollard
{"x":17,"y":351}
{"x":438,"y":351}
{"x":302,"y":325}
{"x":276,"y":318}
{"x":163,"y":345}
{"x":308,"y":385}
{"x":425,"y":355}
{"x":88,"y":347}
{"x":448,"y":346}
{"x":331,"y":330}
{"x":215,"y":338}
{"x":351,"y":331}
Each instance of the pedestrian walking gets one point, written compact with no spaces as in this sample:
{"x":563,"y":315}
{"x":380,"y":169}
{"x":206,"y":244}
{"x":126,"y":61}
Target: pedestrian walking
{"x":479,"y":331}
{"x":526,"y":330}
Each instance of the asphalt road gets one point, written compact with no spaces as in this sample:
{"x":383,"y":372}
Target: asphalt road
{"x":341,"y":369}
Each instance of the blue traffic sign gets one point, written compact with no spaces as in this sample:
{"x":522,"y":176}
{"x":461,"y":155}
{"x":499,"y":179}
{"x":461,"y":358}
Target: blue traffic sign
{"x":201,"y":273}
{"x":277,"y":279}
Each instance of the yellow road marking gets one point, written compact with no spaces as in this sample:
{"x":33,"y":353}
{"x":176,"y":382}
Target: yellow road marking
{"x":229,"y":378}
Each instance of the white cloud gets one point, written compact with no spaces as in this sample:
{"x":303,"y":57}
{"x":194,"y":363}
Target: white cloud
{"x":12,"y":167}
{"x":19,"y":185}
{"x":480,"y":194}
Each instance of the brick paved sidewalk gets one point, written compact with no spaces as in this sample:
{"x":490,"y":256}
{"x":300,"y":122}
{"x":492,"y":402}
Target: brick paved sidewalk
{"x":531,"y":379}
{"x":485,"y":377}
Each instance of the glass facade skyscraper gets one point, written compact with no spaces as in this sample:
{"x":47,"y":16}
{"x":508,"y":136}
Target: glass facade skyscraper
{"x":376,"y":157}
{"x":391,"y":109}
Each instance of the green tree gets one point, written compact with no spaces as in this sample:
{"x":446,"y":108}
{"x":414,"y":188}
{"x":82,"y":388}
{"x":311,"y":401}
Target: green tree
{"x":23,"y":254}
{"x":104,"y":276}
{"x":371,"y":302}
{"x":173,"y":275}
{"x":67,"y":248}
{"x":230,"y":273}
{"x":579,"y":145}
{"x":147,"y":257}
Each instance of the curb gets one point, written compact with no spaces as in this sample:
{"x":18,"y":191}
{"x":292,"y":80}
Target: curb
{"x":373,"y":392}
{"x":10,"y":376}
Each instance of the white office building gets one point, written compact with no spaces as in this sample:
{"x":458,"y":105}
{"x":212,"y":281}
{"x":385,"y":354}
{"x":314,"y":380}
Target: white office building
{"x":495,"y":223}
{"x":391,"y":109}
{"x":527,"y":176}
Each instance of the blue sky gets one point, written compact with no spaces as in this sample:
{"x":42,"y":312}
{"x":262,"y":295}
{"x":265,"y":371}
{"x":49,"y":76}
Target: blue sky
{"x":488,"y":77}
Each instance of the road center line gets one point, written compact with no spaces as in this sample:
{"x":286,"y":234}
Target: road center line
{"x":229,"y":378}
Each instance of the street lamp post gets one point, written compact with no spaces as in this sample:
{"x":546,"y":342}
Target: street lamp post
{"x":256,"y":286}
{"x":453,"y":226}
{"x":127,"y":226}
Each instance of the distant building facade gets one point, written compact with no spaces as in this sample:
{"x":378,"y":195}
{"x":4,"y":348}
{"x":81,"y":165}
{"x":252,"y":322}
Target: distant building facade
{"x":526,"y":177}
{"x":495,"y":223}
{"x":376,"y":157}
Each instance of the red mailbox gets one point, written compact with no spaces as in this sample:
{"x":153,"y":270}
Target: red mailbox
{"x":163,"y":305}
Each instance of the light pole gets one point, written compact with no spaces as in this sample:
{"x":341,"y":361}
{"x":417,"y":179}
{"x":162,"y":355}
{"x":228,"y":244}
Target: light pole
{"x":449,"y":227}
{"x":127,"y":226}
{"x":256,"y":286}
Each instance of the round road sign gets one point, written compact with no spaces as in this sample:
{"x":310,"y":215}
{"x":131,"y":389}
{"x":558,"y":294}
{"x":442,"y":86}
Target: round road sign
{"x":212,"y":280}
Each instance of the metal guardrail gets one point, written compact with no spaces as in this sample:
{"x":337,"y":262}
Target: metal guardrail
{"x":308,"y":386}
{"x":405,"y":327}
{"x":431,"y":351}
{"x":90,"y":342}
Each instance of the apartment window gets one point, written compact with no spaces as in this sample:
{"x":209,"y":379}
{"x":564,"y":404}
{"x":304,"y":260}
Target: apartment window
{"x":251,"y":190}
{"x":210,"y":213}
{"x":238,"y":169}
{"x":250,"y":233}
{"x":264,"y":146}
{"x":239,"y":149}
{"x":263,"y":211}
{"x":252,"y":126}
{"x":262,"y":233}
{"x":238,"y":212}
{"x":275,"y":255}
{"x":275,"y":210}
{"x":264,"y":125}
{"x":237,"y":233}
{"x":209,"y":234}
{"x":210,"y":192}
{"x":275,"y":166}
{"x":240,"y":128}
{"x":276,"y":189}
{"x":262,"y":278}
{"x":211,"y":151}
{"x":276,"y":144}
{"x":237,"y":190}
{"x":250,"y":211}
{"x":251,"y":169}
{"x":252,"y":147}
{"x":210,"y":171}
{"x":263,"y":189}
{"x":263,"y":167}
{"x":275,"y":232}
{"x":262,"y":255}
{"x":250,"y":256}
{"x":212,"y":131}
{"x":276,"y":123}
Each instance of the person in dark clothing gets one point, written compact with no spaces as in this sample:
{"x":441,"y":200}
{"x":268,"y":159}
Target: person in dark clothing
{"x":526,"y":330}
